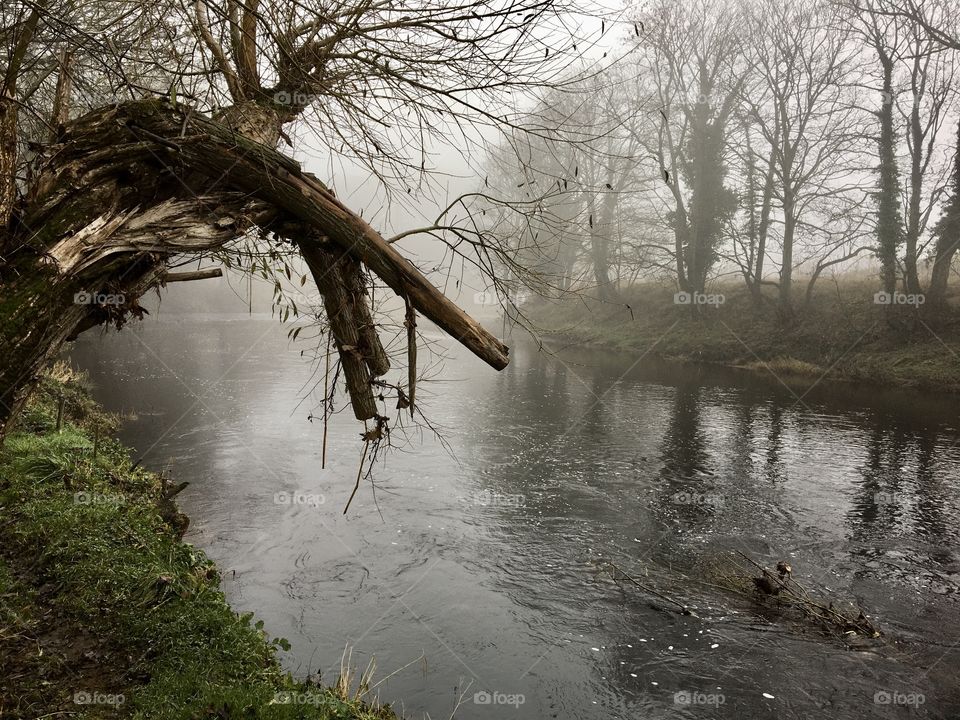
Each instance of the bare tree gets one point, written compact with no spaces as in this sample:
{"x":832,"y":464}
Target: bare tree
{"x":691,"y":54}
{"x":181,"y":106}
{"x":916,"y":91}
{"x":800,"y":106}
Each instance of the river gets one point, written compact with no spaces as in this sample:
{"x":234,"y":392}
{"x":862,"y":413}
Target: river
{"x":473,"y":569}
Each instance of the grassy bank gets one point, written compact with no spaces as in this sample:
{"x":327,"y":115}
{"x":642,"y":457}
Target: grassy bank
{"x":841,"y":335}
{"x":104,"y":612}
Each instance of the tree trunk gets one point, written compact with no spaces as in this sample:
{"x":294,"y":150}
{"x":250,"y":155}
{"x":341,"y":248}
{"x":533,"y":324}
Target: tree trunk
{"x":912,"y":234}
{"x":889,"y":220}
{"x":132,"y":185}
{"x":940,"y":275}
{"x":948,"y":240}
{"x":786,"y":269}
{"x":599,"y":223}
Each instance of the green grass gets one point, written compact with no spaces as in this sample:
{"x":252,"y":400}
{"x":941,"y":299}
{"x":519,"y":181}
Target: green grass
{"x":98,"y":594}
{"x":841,"y":334}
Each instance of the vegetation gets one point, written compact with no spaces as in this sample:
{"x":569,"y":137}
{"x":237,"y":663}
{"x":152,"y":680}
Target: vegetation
{"x":841,"y":335}
{"x":104,"y":612}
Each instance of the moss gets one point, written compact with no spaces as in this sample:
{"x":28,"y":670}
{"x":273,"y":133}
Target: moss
{"x":98,"y":596}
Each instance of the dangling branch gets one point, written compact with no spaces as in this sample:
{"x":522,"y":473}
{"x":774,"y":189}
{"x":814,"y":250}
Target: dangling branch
{"x":326,"y":402}
{"x":363,"y":458}
{"x":411,"y":324}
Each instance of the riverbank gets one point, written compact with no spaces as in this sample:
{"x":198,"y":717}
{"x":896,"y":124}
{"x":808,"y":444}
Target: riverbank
{"x":842,"y":335}
{"x":104,"y":611}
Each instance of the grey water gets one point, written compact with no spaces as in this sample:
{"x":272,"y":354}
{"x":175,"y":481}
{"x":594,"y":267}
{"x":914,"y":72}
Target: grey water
{"x":473,"y":567}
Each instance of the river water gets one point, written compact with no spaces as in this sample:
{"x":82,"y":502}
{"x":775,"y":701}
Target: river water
{"x":473,"y":570}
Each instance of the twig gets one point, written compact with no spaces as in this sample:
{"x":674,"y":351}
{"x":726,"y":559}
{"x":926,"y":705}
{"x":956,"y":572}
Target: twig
{"x":356,"y":487}
{"x":326,"y":404}
{"x":684,"y":610}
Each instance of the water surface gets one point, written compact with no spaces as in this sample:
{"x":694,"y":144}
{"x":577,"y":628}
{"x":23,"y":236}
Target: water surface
{"x":475,"y":562}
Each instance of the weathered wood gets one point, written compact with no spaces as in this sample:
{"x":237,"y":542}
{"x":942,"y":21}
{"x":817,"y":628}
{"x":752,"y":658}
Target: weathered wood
{"x":330,"y":272}
{"x":373,"y":351}
{"x":236,"y":162}
{"x":173,"y":277}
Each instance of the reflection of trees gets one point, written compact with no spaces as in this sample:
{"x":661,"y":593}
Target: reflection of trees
{"x":932,"y":493}
{"x":685,"y":474}
{"x":596,"y":475}
{"x":901,"y":493}
{"x":875,"y":509}
{"x":774,"y":469}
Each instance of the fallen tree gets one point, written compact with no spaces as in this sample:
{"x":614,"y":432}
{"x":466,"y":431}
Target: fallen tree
{"x":127,"y":188}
